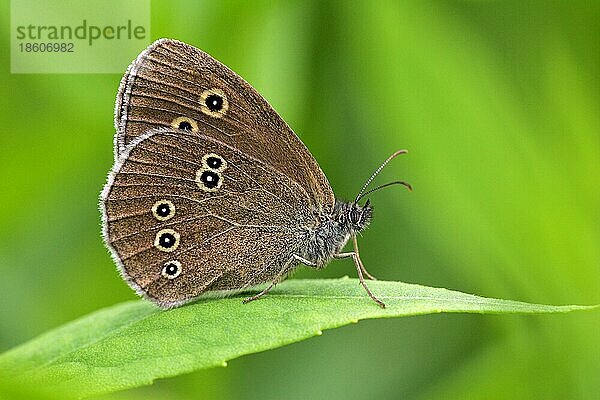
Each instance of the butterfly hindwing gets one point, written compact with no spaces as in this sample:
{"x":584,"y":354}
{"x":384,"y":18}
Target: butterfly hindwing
{"x":173,"y":84}
{"x":185,"y":214}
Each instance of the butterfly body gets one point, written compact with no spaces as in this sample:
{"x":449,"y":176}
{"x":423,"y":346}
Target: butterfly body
{"x":211,"y":191}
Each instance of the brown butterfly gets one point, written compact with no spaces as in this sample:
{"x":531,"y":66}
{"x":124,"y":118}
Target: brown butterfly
{"x":211,"y":190}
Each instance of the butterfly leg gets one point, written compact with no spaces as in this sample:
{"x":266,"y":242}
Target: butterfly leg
{"x":261,"y":294}
{"x":362,"y":267}
{"x":277,"y":279}
{"x":305,"y":261}
{"x":357,"y":263}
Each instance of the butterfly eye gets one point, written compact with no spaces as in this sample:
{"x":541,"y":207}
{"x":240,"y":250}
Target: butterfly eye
{"x":184,"y":123}
{"x":213,"y":102}
{"x":171,"y":269}
{"x":163,"y":210}
{"x":208,"y":180}
{"x":354,"y":217}
{"x":167,"y":240}
{"x":214,"y":161}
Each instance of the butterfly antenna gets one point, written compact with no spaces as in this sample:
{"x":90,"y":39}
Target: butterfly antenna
{"x":377,"y":171}
{"x":405,"y":184}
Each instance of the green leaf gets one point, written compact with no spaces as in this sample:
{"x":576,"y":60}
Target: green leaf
{"x":133,"y":343}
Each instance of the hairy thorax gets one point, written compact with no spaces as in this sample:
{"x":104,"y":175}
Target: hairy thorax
{"x":333,"y":231}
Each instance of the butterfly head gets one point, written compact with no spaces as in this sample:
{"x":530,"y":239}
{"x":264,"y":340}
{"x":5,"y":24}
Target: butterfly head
{"x":358,"y":216}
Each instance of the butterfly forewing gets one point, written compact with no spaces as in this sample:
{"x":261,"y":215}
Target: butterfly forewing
{"x":172,"y":84}
{"x":185,"y":213}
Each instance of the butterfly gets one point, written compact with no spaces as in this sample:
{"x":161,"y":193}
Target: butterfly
{"x":211,"y":191}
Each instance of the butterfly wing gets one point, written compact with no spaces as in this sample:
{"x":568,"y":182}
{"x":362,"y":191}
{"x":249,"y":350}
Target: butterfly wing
{"x":173,"y":84}
{"x":184,"y":213}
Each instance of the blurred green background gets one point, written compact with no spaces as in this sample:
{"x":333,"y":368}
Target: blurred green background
{"x":498,"y":104}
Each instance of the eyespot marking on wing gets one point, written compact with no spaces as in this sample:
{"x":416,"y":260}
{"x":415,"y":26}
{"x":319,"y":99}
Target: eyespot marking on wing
{"x":167,"y":240}
{"x":214,"y":162}
{"x":171,"y":269}
{"x":214,"y":103}
{"x":184,"y":123}
{"x":163,"y":210}
{"x":208,"y":179}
